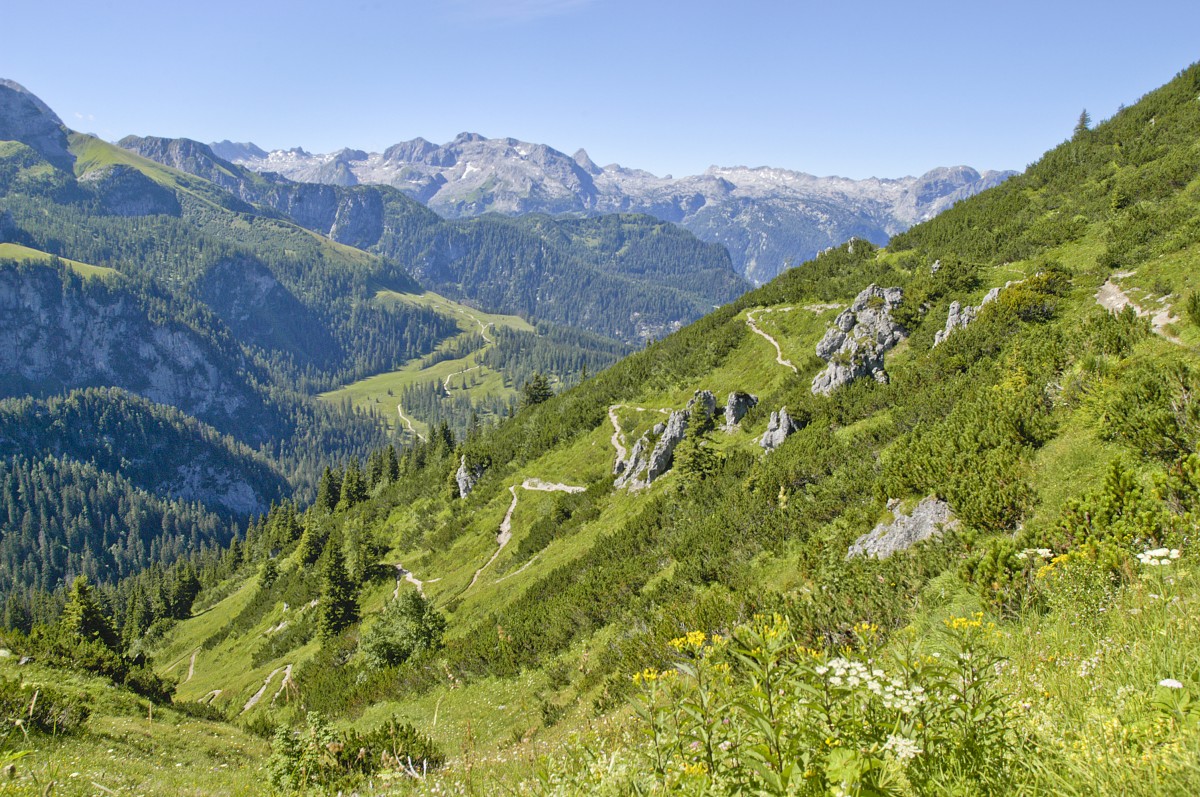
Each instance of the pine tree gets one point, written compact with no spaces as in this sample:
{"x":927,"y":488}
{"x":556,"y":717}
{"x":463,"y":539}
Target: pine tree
{"x":536,"y":390}
{"x":339,"y":606}
{"x":354,"y":487}
{"x":329,"y":489}
{"x":391,"y":465}
{"x":1084,"y":124}
{"x":268,"y":574}
{"x":82,"y":616}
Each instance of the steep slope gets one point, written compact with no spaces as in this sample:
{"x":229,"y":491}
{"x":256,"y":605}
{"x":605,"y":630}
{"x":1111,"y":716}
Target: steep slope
{"x":768,"y":218}
{"x":1060,"y":437}
{"x":535,"y":267}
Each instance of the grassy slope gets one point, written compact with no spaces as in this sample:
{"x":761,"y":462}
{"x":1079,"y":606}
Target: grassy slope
{"x":26,"y":255}
{"x":1073,"y":460}
{"x":381,"y":393}
{"x":131,"y":749}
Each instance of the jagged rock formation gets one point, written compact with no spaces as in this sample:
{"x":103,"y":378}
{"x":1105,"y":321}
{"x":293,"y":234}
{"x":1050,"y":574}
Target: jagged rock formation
{"x":765,"y":216}
{"x":736,"y":407}
{"x":855,"y":344}
{"x":640,"y":469}
{"x":25,"y":118}
{"x":705,"y":400}
{"x":466,"y":477}
{"x":960,"y":316}
{"x":124,"y":191}
{"x":927,"y":520}
{"x":780,"y":428}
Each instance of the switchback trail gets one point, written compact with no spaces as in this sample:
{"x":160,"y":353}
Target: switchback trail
{"x":618,"y":438}
{"x":506,"y":525}
{"x":253,"y":701}
{"x":750,"y":321}
{"x":192,"y":666}
{"x":1111,"y":297}
{"x":405,"y":575}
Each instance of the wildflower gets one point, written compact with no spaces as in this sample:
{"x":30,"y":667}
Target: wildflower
{"x":1170,"y":683}
{"x":1158,"y":557}
{"x":902,"y":748}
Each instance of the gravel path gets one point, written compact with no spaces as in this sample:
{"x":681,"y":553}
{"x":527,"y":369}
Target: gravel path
{"x":751,"y":322}
{"x":506,"y":525}
{"x":1112,"y":298}
{"x":257,"y":696}
{"x":408,"y":423}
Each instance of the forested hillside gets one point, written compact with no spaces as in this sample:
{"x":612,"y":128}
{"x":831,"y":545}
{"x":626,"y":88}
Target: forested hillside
{"x":939,"y":539}
{"x":629,"y":277}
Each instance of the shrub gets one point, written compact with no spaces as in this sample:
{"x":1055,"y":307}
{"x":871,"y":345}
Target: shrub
{"x":40,"y":709}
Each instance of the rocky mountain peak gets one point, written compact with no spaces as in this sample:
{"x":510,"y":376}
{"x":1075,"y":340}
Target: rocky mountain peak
{"x":765,"y":216}
{"x":25,"y":118}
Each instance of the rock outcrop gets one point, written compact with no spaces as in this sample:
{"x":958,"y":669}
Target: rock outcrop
{"x":927,"y":520}
{"x":25,"y":118}
{"x":736,"y":407}
{"x":467,"y":477}
{"x":854,"y":346}
{"x":642,"y":468}
{"x":705,"y":400}
{"x":960,"y":316}
{"x":780,"y":428}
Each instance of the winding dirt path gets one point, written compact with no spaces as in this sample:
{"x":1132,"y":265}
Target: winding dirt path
{"x":192,"y":666}
{"x":483,"y":327}
{"x":284,"y":684}
{"x":446,"y":383}
{"x":406,"y":575}
{"x":505,"y":534}
{"x":408,"y":423}
{"x":210,"y":697}
{"x":751,"y":321}
{"x":1112,"y":298}
{"x":618,"y":438}
{"x":257,"y":696}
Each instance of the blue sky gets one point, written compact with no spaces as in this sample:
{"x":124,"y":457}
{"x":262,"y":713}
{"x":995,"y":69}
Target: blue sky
{"x":850,"y":88}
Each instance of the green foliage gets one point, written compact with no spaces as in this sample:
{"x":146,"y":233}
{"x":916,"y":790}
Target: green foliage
{"x":407,"y":626}
{"x":536,"y":390}
{"x":83,"y":618}
{"x":319,"y":757}
{"x":40,"y":709}
{"x":339,"y":604}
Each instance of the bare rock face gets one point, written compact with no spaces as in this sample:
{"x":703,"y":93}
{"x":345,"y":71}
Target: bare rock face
{"x":736,"y":407}
{"x":642,"y":468}
{"x":705,"y":400}
{"x":854,"y":346}
{"x":637,"y":458}
{"x":961,"y":316}
{"x":467,"y":477}
{"x":780,"y":428}
{"x":25,"y":118}
{"x":927,"y":520}
{"x":124,"y":191}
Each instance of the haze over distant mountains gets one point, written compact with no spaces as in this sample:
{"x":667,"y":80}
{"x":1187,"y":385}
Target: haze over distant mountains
{"x":766,"y":217}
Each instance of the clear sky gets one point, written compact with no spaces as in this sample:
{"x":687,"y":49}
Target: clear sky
{"x":838,"y":87}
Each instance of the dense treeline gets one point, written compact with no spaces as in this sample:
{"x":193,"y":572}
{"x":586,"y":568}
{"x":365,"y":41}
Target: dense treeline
{"x":59,"y":519}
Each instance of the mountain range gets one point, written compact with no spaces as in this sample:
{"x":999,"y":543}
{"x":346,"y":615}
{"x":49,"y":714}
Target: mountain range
{"x":766,"y":217}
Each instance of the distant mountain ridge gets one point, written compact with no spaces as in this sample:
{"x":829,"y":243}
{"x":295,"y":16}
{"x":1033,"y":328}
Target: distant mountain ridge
{"x":766,"y":217}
